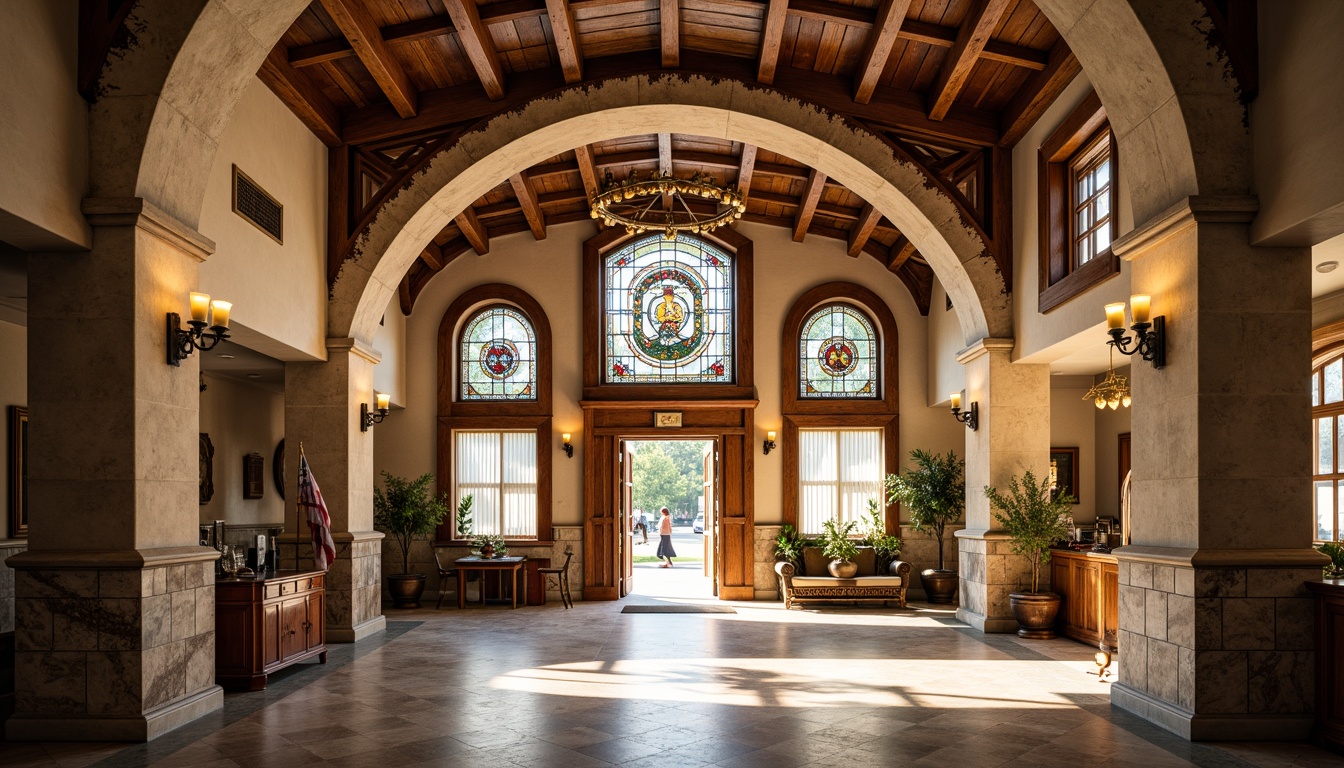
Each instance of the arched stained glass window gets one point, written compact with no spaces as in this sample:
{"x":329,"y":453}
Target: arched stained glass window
{"x":838,"y":354}
{"x":497,"y":356}
{"x":669,"y":313}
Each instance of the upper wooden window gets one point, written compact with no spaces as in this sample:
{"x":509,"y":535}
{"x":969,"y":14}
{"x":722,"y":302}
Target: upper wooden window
{"x":1077,"y":205}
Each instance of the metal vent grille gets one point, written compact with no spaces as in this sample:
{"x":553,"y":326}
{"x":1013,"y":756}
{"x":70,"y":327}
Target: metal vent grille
{"x":254,"y":204}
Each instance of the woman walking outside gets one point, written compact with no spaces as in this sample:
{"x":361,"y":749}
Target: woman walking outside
{"x":665,"y":539}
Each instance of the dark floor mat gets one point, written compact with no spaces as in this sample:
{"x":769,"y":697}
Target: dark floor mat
{"x":678,"y":609}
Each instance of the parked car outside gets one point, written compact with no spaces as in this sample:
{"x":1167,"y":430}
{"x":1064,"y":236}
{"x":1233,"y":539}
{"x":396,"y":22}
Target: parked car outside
{"x":699,"y":525}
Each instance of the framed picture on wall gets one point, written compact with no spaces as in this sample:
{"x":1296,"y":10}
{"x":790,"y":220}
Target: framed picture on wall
{"x":1064,"y":462}
{"x":254,"y":476}
{"x":18,"y":472}
{"x":207,"y":472}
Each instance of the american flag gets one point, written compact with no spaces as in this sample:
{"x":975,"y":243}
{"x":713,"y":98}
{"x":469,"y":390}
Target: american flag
{"x":319,"y":522}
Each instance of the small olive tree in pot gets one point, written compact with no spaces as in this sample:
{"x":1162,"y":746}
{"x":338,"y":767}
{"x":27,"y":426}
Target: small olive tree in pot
{"x":934,"y":492}
{"x":406,"y":511}
{"x":1035,"y":522}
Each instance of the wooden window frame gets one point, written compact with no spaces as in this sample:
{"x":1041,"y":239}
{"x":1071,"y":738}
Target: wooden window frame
{"x":1325,"y":356}
{"x":1060,"y":280}
{"x":495,"y":415}
{"x":839,"y":413}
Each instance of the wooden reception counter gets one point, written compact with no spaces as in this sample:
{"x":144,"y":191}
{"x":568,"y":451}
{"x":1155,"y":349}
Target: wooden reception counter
{"x":1090,"y":585}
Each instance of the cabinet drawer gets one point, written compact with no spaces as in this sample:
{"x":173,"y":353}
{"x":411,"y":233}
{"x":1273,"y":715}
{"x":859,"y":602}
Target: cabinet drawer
{"x":272,"y":590}
{"x":289,"y":587}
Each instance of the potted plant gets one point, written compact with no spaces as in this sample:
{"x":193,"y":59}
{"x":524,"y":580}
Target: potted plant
{"x":789,"y":546}
{"x":934,"y":491}
{"x":1035,"y":522}
{"x":489,"y":546}
{"x":405,"y":510}
{"x":886,"y":547}
{"x":1332,"y":550}
{"x":836,"y":545}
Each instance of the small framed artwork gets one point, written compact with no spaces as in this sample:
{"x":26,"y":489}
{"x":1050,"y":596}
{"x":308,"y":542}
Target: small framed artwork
{"x":207,"y":469}
{"x":254,"y":476}
{"x":667,"y":419}
{"x":18,"y":472}
{"x":1064,"y":464}
{"x":1104,"y":526}
{"x":278,"y":468}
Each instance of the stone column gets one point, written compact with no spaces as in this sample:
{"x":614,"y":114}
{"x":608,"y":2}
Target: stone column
{"x":114,"y":600}
{"x":322,"y":414}
{"x":1215,"y":628}
{"x":1013,"y":437}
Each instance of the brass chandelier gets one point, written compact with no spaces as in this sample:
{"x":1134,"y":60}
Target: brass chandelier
{"x":1113,"y":390}
{"x":631,"y":204}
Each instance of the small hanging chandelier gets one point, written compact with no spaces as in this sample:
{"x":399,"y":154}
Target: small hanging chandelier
{"x":631,"y":204}
{"x":1113,"y":390}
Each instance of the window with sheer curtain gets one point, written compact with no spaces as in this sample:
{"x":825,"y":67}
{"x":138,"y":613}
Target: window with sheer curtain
{"x":839,"y":471}
{"x":499,"y":470}
{"x":1327,"y":416}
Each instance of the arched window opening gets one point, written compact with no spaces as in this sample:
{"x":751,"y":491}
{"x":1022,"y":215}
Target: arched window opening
{"x":497,"y":356}
{"x":838,"y":355}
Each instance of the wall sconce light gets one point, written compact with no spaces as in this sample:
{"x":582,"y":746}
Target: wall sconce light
{"x":769,"y":444}
{"x":368,"y":418}
{"x":568,"y":446}
{"x":205,"y":314}
{"x":1150,"y":337}
{"x":971,"y":418}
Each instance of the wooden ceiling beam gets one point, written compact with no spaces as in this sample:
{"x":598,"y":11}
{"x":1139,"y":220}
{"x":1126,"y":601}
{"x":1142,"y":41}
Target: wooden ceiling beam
{"x":746,"y":168}
{"x":899,"y":253}
{"x":527,"y":199}
{"x":566,"y":39}
{"x":816,"y":182}
{"x":478,"y":45}
{"x":474,"y":231}
{"x":354,"y":21}
{"x":592,"y":186}
{"x":552,"y":169}
{"x":772,"y":37}
{"x":863,"y":229}
{"x":306,"y":101}
{"x":1038,"y":94}
{"x":665,"y":164}
{"x":669,"y":24}
{"x":432,"y":255}
{"x":972,"y":38}
{"x":877,"y":50}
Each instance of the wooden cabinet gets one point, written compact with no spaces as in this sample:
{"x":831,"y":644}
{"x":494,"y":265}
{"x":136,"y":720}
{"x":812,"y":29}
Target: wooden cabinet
{"x":265,"y":624}
{"x":1329,"y":730}
{"x":1089,"y":584}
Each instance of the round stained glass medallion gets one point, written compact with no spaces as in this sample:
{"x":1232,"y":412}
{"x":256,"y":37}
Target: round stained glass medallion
{"x":499,"y":358}
{"x":837,"y":356}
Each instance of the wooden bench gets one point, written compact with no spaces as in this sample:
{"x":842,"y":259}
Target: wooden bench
{"x":816,"y":584}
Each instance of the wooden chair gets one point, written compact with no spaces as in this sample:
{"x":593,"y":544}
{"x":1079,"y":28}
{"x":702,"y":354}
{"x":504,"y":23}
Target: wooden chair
{"x":445,"y":573}
{"x":561,"y":575}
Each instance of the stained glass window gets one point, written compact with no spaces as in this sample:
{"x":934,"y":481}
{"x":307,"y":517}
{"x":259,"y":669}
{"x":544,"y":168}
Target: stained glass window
{"x":497,"y":356}
{"x":837,"y":354}
{"x":669,"y":312}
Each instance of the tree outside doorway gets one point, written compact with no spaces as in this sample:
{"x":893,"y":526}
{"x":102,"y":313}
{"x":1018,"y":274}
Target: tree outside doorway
{"x":669,"y":473}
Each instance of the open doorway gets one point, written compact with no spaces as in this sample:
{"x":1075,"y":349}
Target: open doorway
{"x":679,"y":475}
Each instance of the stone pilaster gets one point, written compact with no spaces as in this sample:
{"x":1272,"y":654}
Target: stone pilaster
{"x":1013,"y":437}
{"x":322,"y":414}
{"x":1215,"y":628}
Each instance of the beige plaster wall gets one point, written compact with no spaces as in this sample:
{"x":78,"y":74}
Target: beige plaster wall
{"x":1110,"y":425}
{"x":1073,"y":425}
{"x":389,"y":375}
{"x":1295,"y":119}
{"x":945,"y":374}
{"x":550,"y":272}
{"x":241,"y":419}
{"x":1034,"y":331}
{"x":13,"y":391}
{"x":44,"y":143}
{"x":278,"y":291}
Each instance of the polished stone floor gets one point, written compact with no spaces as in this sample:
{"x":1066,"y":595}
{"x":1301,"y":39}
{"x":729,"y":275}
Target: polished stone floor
{"x":762,"y":687}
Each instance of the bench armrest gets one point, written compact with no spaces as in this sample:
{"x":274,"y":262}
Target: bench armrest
{"x":785,"y":569}
{"x":899,"y":568}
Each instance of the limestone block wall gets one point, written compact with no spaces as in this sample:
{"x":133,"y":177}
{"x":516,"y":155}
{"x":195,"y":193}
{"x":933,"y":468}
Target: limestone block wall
{"x":1216,"y":641}
{"x":113,"y":643}
{"x":8,"y":548}
{"x":422,"y":561}
{"x":763,"y":553}
{"x":354,"y":581}
{"x":990,"y":572}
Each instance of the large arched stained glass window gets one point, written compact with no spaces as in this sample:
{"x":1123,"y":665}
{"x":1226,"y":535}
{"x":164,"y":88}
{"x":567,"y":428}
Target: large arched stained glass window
{"x":669,"y":313}
{"x":497,"y":356}
{"x":838,"y":354}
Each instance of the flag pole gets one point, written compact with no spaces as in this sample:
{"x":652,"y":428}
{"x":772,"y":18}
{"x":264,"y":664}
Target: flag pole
{"x":298,"y":509}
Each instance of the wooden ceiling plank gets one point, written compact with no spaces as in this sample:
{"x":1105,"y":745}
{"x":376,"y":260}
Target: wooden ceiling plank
{"x":899,"y":253}
{"x":308,"y":103}
{"x":527,"y":199}
{"x":474,"y":231}
{"x":771,"y":39}
{"x":367,"y":41}
{"x":1038,"y":94}
{"x":567,"y":45}
{"x":972,"y":38}
{"x":877,"y":49}
{"x":478,"y":45}
{"x":746,"y":168}
{"x":669,"y":20}
{"x":816,"y":182}
{"x":823,"y":11}
{"x":588,"y":170}
{"x":863,"y":229}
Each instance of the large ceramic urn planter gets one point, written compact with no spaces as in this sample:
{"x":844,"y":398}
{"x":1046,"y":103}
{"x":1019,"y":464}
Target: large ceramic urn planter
{"x":406,"y":589}
{"x":843,"y":569}
{"x":1035,"y":612}
{"x":940,"y":586}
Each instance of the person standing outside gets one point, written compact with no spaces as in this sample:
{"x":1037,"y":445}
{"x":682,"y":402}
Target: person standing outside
{"x":665,"y":538}
{"x":643,"y":526}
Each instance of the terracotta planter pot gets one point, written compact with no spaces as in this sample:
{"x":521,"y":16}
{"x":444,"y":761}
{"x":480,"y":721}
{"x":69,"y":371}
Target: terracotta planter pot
{"x":406,"y":589}
{"x":939,"y":586}
{"x":1035,"y":612}
{"x":843,"y":569}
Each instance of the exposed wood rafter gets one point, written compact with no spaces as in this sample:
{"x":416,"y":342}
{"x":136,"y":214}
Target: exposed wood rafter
{"x":1038,"y":94}
{"x":863,"y":229}
{"x":527,"y":200}
{"x":669,"y":19}
{"x":899,"y":253}
{"x":311,"y":106}
{"x":566,"y":39}
{"x":746,"y":168}
{"x":473,"y":230}
{"x":877,"y":49}
{"x":478,"y":45}
{"x":366,"y":39}
{"x":776,"y":13}
{"x":807,"y":208}
{"x":971,"y":41}
{"x":592,"y":185}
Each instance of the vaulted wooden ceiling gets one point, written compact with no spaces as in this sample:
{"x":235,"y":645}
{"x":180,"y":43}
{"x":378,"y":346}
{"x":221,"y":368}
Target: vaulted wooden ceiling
{"x":953,"y":83}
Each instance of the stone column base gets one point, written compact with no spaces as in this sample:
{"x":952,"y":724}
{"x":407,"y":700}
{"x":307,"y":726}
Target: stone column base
{"x":989,"y":573}
{"x":354,"y":606}
{"x":1226,"y":727}
{"x":144,"y":727}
